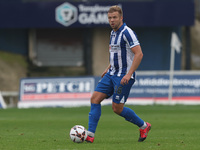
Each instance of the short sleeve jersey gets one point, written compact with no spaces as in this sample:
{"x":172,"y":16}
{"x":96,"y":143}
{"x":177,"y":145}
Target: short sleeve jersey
{"x":121,"y":56}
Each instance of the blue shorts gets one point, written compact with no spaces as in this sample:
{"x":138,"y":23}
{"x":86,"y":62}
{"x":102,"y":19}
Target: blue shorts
{"x":110,"y":85}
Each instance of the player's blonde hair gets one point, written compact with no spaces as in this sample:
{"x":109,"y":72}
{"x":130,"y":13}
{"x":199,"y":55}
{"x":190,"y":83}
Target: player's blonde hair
{"x":115,"y":8}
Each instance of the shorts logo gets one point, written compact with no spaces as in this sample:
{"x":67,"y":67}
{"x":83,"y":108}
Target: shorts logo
{"x":66,"y":14}
{"x":117,"y":97}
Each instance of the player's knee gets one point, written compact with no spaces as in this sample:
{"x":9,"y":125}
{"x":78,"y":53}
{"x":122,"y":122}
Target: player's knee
{"x":117,"y":110}
{"x":94,"y":100}
{"x":97,"y":97}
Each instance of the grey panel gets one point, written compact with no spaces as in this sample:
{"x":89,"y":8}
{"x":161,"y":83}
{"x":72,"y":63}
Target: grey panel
{"x":59,"y":47}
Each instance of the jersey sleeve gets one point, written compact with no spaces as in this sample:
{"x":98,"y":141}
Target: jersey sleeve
{"x":131,"y":38}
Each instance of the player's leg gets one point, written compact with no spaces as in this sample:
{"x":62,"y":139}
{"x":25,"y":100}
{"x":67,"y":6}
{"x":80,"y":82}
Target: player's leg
{"x":95,"y":111}
{"x":103,"y":90}
{"x":132,"y":117}
{"x":128,"y":114}
{"x":120,"y":96}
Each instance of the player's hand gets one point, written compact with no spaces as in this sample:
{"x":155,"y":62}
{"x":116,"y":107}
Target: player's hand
{"x":125,"y":79}
{"x":103,"y":74}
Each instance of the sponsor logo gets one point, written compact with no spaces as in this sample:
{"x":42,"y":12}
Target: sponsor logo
{"x":122,"y":100}
{"x":56,"y":85}
{"x":114,"y":48}
{"x":67,"y":14}
{"x":117,"y":97}
{"x":56,"y":88}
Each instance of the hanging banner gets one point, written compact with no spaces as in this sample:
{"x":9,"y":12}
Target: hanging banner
{"x":19,"y":14}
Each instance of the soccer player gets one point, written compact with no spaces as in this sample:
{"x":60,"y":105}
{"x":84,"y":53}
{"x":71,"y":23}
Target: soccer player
{"x":119,"y":76}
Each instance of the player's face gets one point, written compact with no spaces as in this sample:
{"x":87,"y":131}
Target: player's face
{"x":115,"y":20}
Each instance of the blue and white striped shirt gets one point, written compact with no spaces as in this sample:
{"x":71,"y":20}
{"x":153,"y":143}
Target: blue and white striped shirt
{"x":121,"y":56}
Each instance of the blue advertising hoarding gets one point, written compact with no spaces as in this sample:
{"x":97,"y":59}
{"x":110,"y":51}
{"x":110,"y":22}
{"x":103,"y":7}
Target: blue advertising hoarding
{"x":47,"y":89}
{"x":41,"y":92}
{"x":157,"y":86}
{"x":91,"y":14}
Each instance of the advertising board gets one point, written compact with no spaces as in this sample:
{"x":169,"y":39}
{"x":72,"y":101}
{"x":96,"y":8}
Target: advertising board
{"x":157,"y":87}
{"x":54,"y":91}
{"x":37,"y":14}
{"x":149,"y":88}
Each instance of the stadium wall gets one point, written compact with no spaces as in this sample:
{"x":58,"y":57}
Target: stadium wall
{"x":14,"y":40}
{"x":100,"y":49}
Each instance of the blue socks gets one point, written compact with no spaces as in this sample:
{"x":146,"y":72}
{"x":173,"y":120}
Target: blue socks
{"x":127,"y":113}
{"x":94,"y":116}
{"x":131,"y":116}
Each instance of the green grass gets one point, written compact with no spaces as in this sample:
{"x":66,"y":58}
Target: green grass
{"x":173,"y":128}
{"x":12,"y":58}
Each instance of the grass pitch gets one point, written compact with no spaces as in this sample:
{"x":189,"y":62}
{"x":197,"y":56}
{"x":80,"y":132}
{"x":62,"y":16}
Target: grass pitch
{"x":173,"y":128}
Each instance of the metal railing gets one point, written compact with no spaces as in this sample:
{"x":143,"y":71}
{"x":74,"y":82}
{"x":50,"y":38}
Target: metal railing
{"x":10,"y":97}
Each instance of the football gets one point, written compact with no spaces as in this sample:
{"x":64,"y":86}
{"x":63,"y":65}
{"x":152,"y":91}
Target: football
{"x":78,"y":134}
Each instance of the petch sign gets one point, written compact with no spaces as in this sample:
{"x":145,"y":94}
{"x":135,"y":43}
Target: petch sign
{"x":56,"y":89}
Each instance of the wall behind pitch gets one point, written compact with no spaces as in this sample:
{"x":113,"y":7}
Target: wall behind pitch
{"x":156,"y":46}
{"x":155,"y":43}
{"x":14,"y":40}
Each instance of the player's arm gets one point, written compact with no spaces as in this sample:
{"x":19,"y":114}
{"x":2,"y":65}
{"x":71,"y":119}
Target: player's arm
{"x":106,"y":70}
{"x":138,"y":55}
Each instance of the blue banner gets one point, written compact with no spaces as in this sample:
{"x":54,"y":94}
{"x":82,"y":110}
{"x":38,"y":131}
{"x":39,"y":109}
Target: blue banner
{"x":157,"y":86}
{"x":69,"y":92}
{"x":92,"y":14}
{"x":47,"y":89}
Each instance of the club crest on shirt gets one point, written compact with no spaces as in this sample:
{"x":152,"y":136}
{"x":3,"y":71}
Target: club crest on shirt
{"x":131,"y":43}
